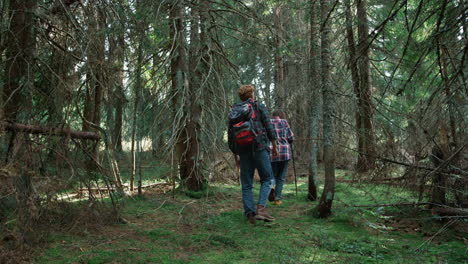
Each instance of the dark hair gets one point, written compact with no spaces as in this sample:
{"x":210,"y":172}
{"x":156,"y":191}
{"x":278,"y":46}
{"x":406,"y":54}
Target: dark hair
{"x":278,"y":113}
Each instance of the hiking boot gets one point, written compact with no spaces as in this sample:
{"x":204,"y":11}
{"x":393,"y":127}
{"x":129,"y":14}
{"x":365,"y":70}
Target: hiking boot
{"x":262,"y":214}
{"x":278,"y":202}
{"x":251,"y":218}
{"x":271,"y":196}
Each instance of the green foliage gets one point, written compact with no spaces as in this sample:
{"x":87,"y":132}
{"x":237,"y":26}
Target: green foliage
{"x":406,"y":82}
{"x":7,"y":206}
{"x":214,"y":230}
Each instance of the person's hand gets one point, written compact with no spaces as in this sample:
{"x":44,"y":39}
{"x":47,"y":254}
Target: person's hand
{"x":275,"y":149}
{"x":237,"y":163}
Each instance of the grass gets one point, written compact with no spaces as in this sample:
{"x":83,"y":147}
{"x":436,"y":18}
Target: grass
{"x":163,"y":229}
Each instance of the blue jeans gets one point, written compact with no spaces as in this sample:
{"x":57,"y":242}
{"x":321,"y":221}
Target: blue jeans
{"x":250,"y":161}
{"x":280,"y":168}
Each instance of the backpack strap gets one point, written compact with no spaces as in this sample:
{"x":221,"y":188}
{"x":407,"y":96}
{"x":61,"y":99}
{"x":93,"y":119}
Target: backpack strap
{"x":258,"y":117}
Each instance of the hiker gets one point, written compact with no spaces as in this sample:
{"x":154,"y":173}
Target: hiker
{"x":279,"y":163}
{"x":249,"y":137}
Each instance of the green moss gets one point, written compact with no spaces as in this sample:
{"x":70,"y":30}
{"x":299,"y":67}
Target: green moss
{"x":214,"y":230}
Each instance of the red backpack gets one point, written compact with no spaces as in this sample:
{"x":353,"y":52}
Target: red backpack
{"x":241,"y":128}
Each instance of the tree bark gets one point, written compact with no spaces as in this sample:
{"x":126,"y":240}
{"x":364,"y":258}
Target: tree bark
{"x":137,"y":90}
{"x":179,"y":81}
{"x":279,"y":58}
{"x":355,"y":79}
{"x":19,"y":55}
{"x":95,"y":56}
{"x":51,"y":131}
{"x":16,"y":100}
{"x":116,"y":95}
{"x":439,"y":181}
{"x":199,"y":63}
{"x":366,"y":111}
{"x":96,"y":80}
{"x":315,"y":99}
{"x":326,"y":200}
{"x":57,"y":88}
{"x":57,"y":91}
{"x":267,"y":76}
{"x":442,"y":148}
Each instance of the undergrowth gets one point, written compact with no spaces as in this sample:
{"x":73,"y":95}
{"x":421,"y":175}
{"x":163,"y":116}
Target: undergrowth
{"x":212,"y":229}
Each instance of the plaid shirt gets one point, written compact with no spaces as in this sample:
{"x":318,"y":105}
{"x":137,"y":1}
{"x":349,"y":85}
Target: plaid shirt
{"x":284,"y":137}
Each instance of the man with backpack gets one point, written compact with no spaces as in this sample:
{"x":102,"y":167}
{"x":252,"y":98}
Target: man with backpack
{"x":249,"y":137}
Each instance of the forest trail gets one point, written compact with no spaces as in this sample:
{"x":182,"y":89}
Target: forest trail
{"x":212,"y":229}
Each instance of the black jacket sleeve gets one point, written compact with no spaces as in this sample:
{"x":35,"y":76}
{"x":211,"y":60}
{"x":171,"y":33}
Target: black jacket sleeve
{"x":265,"y":119}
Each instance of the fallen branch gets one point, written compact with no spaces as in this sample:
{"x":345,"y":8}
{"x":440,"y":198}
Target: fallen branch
{"x":391,"y":179}
{"x":388,"y":205}
{"x":48,"y":131}
{"x":431,"y":169}
{"x":156,"y":184}
{"x":111,"y":189}
{"x":445,"y":227}
{"x":449,"y":211}
{"x":443,"y":211}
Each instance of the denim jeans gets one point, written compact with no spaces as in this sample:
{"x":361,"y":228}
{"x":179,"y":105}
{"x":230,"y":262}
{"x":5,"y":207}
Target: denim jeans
{"x":249,"y":161}
{"x":280,"y":168}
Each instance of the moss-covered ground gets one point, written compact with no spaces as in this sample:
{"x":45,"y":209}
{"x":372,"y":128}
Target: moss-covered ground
{"x":161,"y":228}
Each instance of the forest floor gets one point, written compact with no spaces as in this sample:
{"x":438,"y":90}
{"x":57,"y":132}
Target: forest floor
{"x":161,"y":228}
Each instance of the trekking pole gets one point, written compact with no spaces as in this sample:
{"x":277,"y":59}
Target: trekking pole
{"x":237,"y":169}
{"x":294,"y":167}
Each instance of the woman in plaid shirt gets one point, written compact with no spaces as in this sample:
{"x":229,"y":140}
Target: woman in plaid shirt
{"x":279,"y":163}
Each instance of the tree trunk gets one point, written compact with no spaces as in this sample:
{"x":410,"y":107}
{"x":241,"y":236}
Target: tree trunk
{"x":439,"y":182}
{"x":279,"y":58}
{"x":137,"y":90}
{"x":57,"y":88}
{"x":199,"y":62}
{"x":179,"y":81}
{"x":326,"y":200}
{"x":448,"y":138}
{"x":19,"y":53}
{"x":267,"y":76}
{"x":116,"y":97}
{"x":315,"y":99}
{"x":16,"y":100}
{"x":360,"y":136}
{"x":366,"y":160}
{"x":95,"y":77}
{"x":99,"y":67}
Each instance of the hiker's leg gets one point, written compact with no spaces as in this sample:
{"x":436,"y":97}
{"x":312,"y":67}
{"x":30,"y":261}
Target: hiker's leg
{"x":247,"y":168}
{"x":280,"y":178}
{"x":263,"y":164}
{"x":275,"y":169}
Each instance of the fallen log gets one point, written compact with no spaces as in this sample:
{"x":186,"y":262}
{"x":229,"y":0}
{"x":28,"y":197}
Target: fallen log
{"x":450,"y":211}
{"x":156,"y":184}
{"x":48,"y":131}
{"x":112,"y":189}
{"x":433,"y":170}
{"x":441,"y":211}
{"x":388,"y":205}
